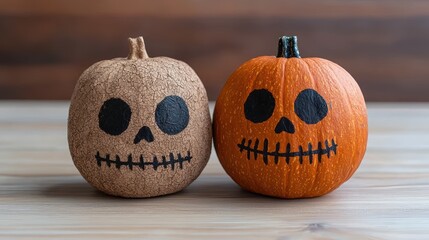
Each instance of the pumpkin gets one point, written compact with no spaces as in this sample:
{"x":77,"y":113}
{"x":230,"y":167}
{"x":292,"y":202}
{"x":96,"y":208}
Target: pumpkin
{"x":139,"y":126}
{"x":290,"y":127}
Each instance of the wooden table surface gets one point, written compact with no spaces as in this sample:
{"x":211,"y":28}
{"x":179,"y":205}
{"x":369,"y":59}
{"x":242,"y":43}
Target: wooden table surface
{"x":42,"y":196}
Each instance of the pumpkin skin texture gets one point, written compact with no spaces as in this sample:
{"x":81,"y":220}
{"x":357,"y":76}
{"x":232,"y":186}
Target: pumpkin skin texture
{"x":290,"y":127}
{"x":138,"y":126}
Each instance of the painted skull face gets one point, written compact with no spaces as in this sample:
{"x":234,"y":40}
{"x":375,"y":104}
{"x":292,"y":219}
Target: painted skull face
{"x":171,"y":117}
{"x":136,"y":132}
{"x":309,"y":106}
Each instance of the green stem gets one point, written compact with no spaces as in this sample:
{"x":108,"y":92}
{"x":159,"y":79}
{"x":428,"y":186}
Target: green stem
{"x":288,"y":47}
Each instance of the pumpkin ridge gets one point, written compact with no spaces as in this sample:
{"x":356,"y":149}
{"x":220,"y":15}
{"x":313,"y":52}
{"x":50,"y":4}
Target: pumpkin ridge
{"x":282,"y":83}
{"x":314,"y":85}
{"x":285,"y":62}
{"x":265,"y":64}
{"x":349,"y":109}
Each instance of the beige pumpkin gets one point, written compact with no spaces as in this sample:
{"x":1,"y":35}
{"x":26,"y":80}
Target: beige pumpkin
{"x":139,"y":126}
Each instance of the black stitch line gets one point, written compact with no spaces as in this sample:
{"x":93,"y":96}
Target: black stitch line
{"x":117,"y":162}
{"x":300,"y":153}
{"x":327,"y":147}
{"x":164,"y":162}
{"x":130,"y":162}
{"x":172,"y":161}
{"x":155,"y":163}
{"x":141,"y":163}
{"x":248,"y":149}
{"x":179,"y":156}
{"x":108,"y":158}
{"x":276,"y":157}
{"x":320,"y":151}
{"x":288,"y":153}
{"x":242,"y":143}
{"x":334,"y":146}
{"x":265,"y":151}
{"x":98,"y":159}
{"x":255,"y":154}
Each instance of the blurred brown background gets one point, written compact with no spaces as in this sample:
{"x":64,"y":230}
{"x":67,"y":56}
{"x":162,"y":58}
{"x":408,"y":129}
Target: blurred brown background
{"x":45,"y":45}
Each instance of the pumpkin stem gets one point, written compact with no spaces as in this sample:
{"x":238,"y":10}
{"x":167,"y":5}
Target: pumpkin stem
{"x":288,"y":47}
{"x":137,"y":48}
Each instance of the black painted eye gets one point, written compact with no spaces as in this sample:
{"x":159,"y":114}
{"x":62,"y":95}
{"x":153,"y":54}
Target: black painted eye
{"x":114,"y":116}
{"x":259,"y":105}
{"x":172,"y":115}
{"x":310,"y":106}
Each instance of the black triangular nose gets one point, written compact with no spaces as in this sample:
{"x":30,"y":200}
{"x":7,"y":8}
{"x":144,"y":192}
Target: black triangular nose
{"x":285,"y":125}
{"x":144,"y":133}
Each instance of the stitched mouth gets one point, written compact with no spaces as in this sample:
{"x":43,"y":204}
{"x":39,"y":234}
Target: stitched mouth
{"x":322,"y":149}
{"x":170,"y":161}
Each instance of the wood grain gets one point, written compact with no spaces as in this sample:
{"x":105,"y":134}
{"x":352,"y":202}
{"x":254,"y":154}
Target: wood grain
{"x":45,"y":45}
{"x":42,"y":196}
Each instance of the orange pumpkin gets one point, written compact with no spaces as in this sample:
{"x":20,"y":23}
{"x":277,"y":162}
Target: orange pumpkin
{"x":290,"y":127}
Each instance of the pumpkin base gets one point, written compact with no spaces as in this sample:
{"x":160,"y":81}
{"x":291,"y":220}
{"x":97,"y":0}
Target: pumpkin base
{"x":287,"y":197}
